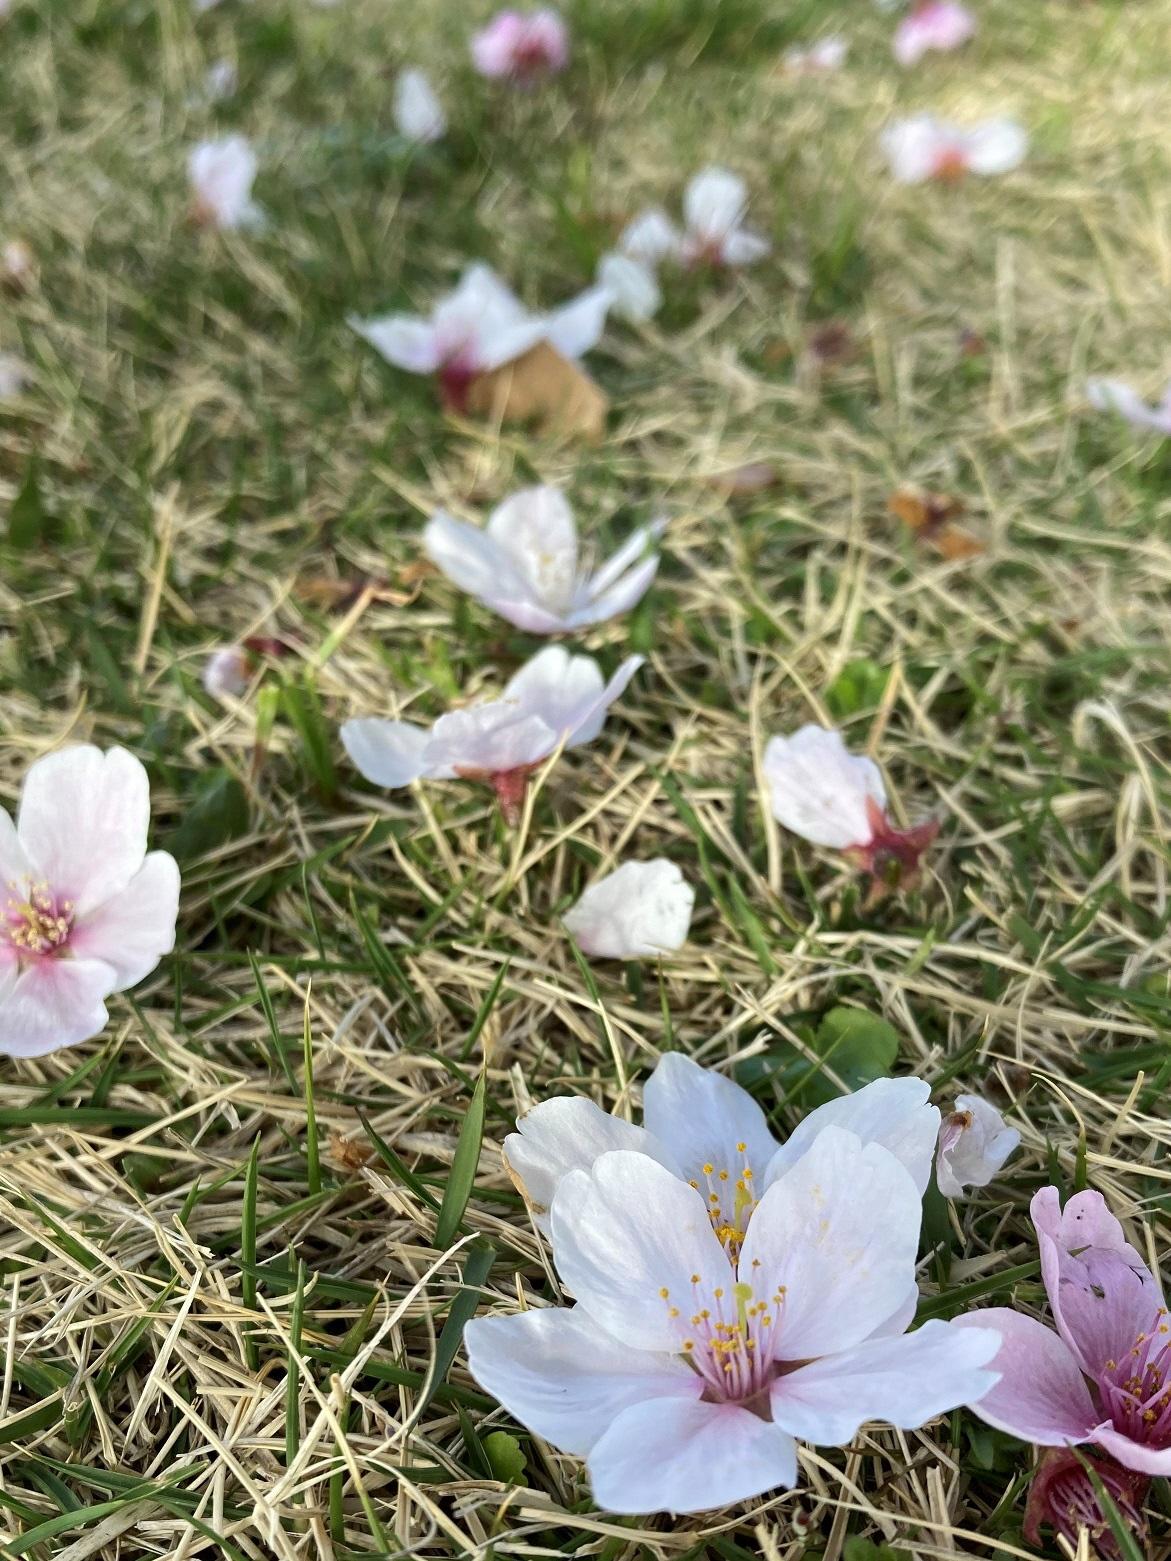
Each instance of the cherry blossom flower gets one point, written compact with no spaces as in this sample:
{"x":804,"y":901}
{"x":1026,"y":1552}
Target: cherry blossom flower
{"x":639,"y":910}
{"x":834,"y":798}
{"x":521,"y":46}
{"x":227,"y":671}
{"x":714,"y":204}
{"x":418,"y":113}
{"x":932,"y":24}
{"x":1115,"y":395}
{"x":1104,"y":1376}
{"x":479,"y":327}
{"x":634,"y":289}
{"x":87,"y":910}
{"x":221,"y":174}
{"x":829,"y":54}
{"x":525,"y":564}
{"x":13,"y":374}
{"x":923,"y":147}
{"x":712,"y":1331}
{"x":555,"y":699}
{"x":707,"y":1130}
{"x":1063,"y":1494}
{"x":974,"y":1142}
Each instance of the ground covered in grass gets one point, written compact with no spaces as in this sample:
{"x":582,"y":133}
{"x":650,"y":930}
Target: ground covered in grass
{"x":240,"y":1234}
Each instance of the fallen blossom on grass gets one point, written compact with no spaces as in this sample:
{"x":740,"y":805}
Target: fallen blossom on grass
{"x":1103,"y":1377}
{"x":227,"y":671}
{"x":924,"y":147}
{"x":525,"y":564}
{"x":521,"y":46}
{"x":834,"y":798}
{"x":974,"y":1143}
{"x":828,"y":54}
{"x":639,"y":910}
{"x":634,"y":289}
{"x":18,"y":266}
{"x":709,"y":1131}
{"x":555,"y":699}
{"x":711,"y":1332}
{"x":86,"y":910}
{"x":1115,"y":395}
{"x":714,"y":206}
{"x":222,"y":174}
{"x":930,"y":25}
{"x":479,"y":328}
{"x":418,"y":113}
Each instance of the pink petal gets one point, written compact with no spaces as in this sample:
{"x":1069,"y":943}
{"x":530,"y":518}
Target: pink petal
{"x":83,"y":821}
{"x":1041,"y":1396}
{"x":54,"y":1003}
{"x":1132,"y":1455}
{"x":132,"y":930}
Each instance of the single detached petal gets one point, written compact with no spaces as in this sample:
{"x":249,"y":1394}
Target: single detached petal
{"x":639,"y":910}
{"x":705,"y":1118}
{"x":221,"y":174}
{"x":635,"y":294}
{"x":577,"y":326}
{"x":974,"y":1142}
{"x":54,"y":1003}
{"x":627,"y":1238}
{"x":1141,"y":1456}
{"x":820,"y":790}
{"x":714,"y":204}
{"x":895,"y":1113}
{"x":564,"y":1377}
{"x":83,"y":821}
{"x":937,"y":24}
{"x":675,"y":1456}
{"x":650,"y":238}
{"x":903,"y":1381}
{"x":389,"y":753}
{"x":402,"y":339}
{"x":536,"y":532}
{"x":838,"y":1234}
{"x":227,"y":671}
{"x":1114,"y":395}
{"x":133,"y":929}
{"x":418,"y":113}
{"x":742,"y":247}
{"x":997,"y":146}
{"x":914,"y":146}
{"x":1041,"y":1396}
{"x":1102,"y":1293}
{"x":568,"y":1133}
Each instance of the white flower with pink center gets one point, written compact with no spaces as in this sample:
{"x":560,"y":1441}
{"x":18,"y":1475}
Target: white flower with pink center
{"x":85,"y":909}
{"x":713,"y":1330}
{"x":526,"y":564}
{"x":554,"y":700}
{"x":974,"y":1143}
{"x":221,"y":174}
{"x":932,"y":24}
{"x":479,"y":327}
{"x":924,"y":147}
{"x":715,"y":203}
{"x":521,"y":46}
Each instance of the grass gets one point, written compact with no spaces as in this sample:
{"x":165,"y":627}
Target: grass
{"x":240,"y":1234}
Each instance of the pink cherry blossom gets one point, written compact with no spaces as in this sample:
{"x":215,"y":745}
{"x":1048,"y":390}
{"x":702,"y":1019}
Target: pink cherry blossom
{"x":554,"y":699}
{"x":1104,"y":1376}
{"x":834,"y":798}
{"x":713,"y":1331}
{"x":974,"y":1142}
{"x":932,"y":24}
{"x":525,"y":564}
{"x":1115,"y":395}
{"x":521,"y":46}
{"x":639,"y":910}
{"x":924,"y":147}
{"x":87,"y":911}
{"x":714,"y":206}
{"x":479,"y":327}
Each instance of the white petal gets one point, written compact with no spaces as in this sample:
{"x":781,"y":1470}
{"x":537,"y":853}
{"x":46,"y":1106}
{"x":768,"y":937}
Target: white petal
{"x":472,"y":559}
{"x":54,"y":1003}
{"x":903,"y":1382}
{"x":1114,"y":395}
{"x":133,"y":929}
{"x":403,"y":339}
{"x":974,"y":1142}
{"x":892,"y":1112}
{"x":488,"y":739}
{"x":624,"y":1232}
{"x":536,"y":532}
{"x":221,"y":174}
{"x":15,"y":866}
{"x":83,"y":821}
{"x":556,"y":685}
{"x":577,"y":326}
{"x":418,"y":113}
{"x":389,"y":753}
{"x":620,"y":598}
{"x":714,"y":203}
{"x":634,"y":293}
{"x":742,"y":247}
{"x":839,"y":1232}
{"x":564,"y":1377}
{"x":820,"y":790}
{"x":671,"y":1456}
{"x":587,"y":720}
{"x":650,"y":238}
{"x":633,"y":549}
{"x":568,"y":1133}
{"x":703,"y":1117}
{"x":639,"y":910}
{"x":913,"y":146}
{"x":483,"y":321}
{"x":996,"y":146}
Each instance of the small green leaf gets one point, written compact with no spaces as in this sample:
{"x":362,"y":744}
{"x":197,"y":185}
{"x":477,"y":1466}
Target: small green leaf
{"x":506,"y":1456}
{"x":859,"y":686}
{"x":29,"y":522}
{"x":463,"y":1170}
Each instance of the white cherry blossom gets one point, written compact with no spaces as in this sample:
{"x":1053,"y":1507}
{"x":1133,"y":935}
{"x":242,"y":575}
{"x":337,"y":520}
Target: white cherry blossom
{"x":1115,"y":395}
{"x":924,"y":147}
{"x":974,"y":1142}
{"x":639,"y":910}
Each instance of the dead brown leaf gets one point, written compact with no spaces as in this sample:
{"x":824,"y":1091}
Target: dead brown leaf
{"x":931,"y":518}
{"x":543,"y":388}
